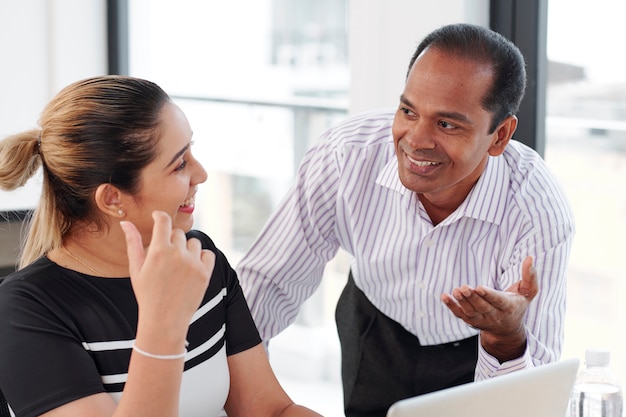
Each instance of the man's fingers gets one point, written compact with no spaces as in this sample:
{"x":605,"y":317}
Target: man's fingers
{"x":473,"y":300}
{"x":452,"y":305}
{"x":528,"y":286}
{"x":134,"y":246}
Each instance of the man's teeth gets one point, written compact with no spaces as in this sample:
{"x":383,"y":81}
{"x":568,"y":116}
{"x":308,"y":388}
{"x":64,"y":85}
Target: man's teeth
{"x":422,"y":163}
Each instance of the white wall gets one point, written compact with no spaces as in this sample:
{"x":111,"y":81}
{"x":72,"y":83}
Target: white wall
{"x":383,"y":36}
{"x":44,"y":45}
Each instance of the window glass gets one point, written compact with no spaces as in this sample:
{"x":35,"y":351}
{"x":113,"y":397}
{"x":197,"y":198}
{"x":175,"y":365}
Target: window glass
{"x":260,"y":81}
{"x":586,"y":147}
{"x":259,"y":87}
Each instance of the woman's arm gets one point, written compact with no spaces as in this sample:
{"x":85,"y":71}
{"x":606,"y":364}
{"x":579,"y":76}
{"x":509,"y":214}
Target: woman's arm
{"x":152,"y":389}
{"x":169,"y":280}
{"x":254,"y":389}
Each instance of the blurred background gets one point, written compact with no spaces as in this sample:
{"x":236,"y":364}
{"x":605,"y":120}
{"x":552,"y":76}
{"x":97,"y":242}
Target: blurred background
{"x":260,"y":80}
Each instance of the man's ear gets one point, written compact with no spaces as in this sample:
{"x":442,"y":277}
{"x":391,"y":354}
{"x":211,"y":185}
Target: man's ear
{"x":109,"y":200}
{"x":503,"y":134}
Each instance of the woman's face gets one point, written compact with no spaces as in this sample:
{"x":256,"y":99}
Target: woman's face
{"x":169,"y":183}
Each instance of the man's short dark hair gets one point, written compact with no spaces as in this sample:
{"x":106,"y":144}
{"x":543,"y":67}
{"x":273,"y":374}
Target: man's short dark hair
{"x":486,"y":46}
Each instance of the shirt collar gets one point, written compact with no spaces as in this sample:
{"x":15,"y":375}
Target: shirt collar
{"x":486,"y":201}
{"x":388,"y":177}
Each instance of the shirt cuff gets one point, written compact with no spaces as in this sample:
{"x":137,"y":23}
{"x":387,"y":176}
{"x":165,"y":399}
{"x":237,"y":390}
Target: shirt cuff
{"x":488,"y":366}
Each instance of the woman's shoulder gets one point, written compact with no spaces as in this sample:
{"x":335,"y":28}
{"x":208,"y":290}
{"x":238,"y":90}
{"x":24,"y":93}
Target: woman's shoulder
{"x":30,"y":286}
{"x":207,"y":242}
{"x":32,"y":273}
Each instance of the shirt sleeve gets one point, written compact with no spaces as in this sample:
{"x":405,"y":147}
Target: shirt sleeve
{"x":546,"y":313}
{"x":285,"y":264}
{"x":241,"y":332}
{"x":487,"y":366}
{"x":35,"y":351}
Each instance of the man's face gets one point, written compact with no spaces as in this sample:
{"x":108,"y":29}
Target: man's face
{"x":441,"y":131}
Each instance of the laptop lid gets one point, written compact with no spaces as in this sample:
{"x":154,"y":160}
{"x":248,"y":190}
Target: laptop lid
{"x":542,"y":391}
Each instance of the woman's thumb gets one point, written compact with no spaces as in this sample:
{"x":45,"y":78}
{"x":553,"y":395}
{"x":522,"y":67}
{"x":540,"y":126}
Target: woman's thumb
{"x":134,"y":247}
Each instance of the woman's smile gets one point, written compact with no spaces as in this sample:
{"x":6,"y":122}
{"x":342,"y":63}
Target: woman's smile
{"x":188,"y":205}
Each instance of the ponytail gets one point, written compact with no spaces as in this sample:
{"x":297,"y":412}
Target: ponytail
{"x":19,"y":159}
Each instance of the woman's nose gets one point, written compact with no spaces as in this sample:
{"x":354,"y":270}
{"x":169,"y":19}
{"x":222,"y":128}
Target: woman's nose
{"x":200,"y":174}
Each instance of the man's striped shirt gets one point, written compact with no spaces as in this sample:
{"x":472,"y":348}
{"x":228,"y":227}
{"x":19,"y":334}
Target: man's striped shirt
{"x":348,"y":194}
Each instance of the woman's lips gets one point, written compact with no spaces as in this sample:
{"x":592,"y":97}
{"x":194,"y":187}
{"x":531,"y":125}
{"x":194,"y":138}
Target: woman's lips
{"x":188,"y":206}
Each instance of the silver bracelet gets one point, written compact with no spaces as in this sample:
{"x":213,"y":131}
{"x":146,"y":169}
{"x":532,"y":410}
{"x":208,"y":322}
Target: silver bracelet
{"x":154,"y":356}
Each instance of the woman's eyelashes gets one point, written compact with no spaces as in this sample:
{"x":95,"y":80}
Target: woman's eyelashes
{"x":181,"y":166}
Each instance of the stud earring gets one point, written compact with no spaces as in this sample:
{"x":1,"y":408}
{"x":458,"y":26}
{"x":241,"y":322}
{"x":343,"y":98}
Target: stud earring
{"x":120,"y":212}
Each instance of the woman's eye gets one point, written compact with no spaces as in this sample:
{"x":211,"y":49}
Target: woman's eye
{"x":181,"y":166}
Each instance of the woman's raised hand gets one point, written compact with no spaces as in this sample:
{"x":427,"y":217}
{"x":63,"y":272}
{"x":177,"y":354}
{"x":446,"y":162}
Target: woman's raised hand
{"x":171,"y":275}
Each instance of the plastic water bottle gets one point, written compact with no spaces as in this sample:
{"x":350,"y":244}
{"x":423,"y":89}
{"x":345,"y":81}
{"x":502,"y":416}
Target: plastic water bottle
{"x":597,"y":391}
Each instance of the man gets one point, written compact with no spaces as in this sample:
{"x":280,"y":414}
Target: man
{"x":459,"y":235}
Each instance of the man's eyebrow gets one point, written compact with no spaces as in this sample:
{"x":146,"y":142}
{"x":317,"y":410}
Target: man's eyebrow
{"x":446,"y":114}
{"x":456,"y":116}
{"x":178,"y":154}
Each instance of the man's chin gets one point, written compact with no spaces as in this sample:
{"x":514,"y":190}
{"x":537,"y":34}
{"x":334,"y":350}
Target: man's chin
{"x":409,"y":182}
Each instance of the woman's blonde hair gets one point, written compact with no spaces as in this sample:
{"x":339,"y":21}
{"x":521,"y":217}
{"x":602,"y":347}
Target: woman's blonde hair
{"x":95,"y":131}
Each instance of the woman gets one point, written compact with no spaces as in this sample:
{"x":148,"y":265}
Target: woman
{"x":119,"y":308}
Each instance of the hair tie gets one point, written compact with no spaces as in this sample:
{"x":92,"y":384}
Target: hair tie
{"x":39,"y":143}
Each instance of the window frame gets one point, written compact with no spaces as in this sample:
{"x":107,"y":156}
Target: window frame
{"x":522,"y":21}
{"x":525,"y":23}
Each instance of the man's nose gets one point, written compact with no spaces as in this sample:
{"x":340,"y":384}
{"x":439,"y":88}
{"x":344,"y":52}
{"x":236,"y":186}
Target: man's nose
{"x":420,"y":135}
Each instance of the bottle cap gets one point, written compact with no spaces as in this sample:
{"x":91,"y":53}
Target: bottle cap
{"x":597,"y":357}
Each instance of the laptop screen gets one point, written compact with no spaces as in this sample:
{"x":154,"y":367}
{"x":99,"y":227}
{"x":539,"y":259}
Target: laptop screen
{"x":542,"y":391}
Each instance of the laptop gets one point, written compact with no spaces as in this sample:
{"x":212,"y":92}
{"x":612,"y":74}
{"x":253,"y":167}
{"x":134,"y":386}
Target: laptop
{"x":542,"y":391}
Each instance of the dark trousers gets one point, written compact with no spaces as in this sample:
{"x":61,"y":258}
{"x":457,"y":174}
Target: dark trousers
{"x":382,"y":363}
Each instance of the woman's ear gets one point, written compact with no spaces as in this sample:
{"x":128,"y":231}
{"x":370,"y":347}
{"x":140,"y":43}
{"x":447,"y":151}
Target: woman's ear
{"x":503,"y":134}
{"x":109,"y":200}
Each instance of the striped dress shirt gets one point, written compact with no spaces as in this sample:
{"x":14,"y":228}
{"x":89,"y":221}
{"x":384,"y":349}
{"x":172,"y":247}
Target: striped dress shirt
{"x":347,"y":194}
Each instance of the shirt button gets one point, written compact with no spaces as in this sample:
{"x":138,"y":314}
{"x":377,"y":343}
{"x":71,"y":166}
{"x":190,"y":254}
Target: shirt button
{"x":429,"y":243}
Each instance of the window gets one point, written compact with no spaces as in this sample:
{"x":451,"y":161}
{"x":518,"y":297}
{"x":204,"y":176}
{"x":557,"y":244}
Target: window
{"x":258,"y":88}
{"x":586,"y":148}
